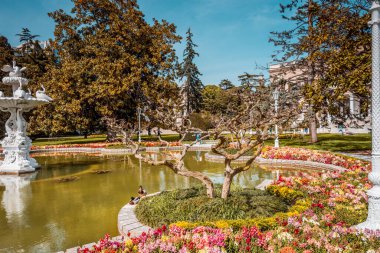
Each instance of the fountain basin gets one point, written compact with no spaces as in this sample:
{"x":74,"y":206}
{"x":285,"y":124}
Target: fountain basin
{"x":22,"y":103}
{"x":12,"y":80}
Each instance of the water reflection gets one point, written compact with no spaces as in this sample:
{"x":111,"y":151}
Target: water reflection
{"x":16,"y":194}
{"x":198,"y":156}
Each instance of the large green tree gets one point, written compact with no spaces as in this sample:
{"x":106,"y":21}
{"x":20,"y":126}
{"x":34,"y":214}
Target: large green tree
{"x":111,"y":60}
{"x":192,"y":87}
{"x":214,"y":99}
{"x":6,"y":53}
{"x":347,"y":59}
{"x":323,"y":47}
{"x":6,"y":57}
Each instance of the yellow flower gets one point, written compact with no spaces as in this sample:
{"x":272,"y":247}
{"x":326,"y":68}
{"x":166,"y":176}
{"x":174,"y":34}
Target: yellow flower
{"x":128,"y":243}
{"x":164,"y":238}
{"x":222,"y":224}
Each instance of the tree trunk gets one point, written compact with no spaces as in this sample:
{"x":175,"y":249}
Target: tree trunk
{"x":206,"y":181}
{"x":125,"y":137}
{"x":311,"y":77}
{"x":228,"y":176}
{"x":111,"y":136}
{"x":313,"y":129}
{"x":227,"y":185}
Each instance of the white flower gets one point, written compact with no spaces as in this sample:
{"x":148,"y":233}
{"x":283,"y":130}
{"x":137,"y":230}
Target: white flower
{"x":285,"y":236}
{"x":311,"y":221}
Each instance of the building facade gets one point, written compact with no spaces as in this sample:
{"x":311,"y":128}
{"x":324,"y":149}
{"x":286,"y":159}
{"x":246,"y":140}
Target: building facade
{"x":352,"y":105}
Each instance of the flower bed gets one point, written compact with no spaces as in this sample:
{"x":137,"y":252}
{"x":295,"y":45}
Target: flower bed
{"x":332,"y":203}
{"x":103,"y":145}
{"x":159,"y":144}
{"x":84,"y":145}
{"x":303,"y":154}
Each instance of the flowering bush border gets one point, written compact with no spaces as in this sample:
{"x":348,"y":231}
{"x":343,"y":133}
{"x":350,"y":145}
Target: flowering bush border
{"x":82,"y":145}
{"x":330,"y":204}
{"x":102,"y":145}
{"x":304,"y":154}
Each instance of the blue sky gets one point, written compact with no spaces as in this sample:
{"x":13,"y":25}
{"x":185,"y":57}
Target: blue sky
{"x":232,"y":35}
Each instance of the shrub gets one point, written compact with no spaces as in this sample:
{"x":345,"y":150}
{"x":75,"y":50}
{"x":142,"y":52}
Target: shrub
{"x":350,"y":215}
{"x":287,"y":194}
{"x":192,"y":205}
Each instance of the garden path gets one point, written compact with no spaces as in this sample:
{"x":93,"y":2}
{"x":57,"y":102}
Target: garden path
{"x":358,"y":156}
{"x":128,"y":223}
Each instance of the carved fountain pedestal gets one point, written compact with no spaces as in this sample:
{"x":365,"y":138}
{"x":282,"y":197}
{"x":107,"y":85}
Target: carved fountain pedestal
{"x":16,"y":145}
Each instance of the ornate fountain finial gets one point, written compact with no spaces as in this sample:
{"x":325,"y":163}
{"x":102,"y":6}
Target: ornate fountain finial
{"x":40,"y":94}
{"x":14,"y":71}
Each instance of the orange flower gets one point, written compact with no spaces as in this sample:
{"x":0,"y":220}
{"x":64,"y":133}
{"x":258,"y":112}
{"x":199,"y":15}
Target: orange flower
{"x":287,"y":250}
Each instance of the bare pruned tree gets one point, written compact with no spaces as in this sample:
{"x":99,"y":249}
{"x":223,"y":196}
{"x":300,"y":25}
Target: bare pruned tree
{"x":120,"y":127}
{"x":248,"y":126}
{"x":171,"y":115}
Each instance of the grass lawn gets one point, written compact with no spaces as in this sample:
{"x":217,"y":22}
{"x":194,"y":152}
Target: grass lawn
{"x":328,"y":142}
{"x":94,"y":139}
{"x":68,"y":140}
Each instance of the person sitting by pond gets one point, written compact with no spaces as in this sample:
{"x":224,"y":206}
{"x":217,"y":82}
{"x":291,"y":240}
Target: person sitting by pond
{"x":134,"y":200}
{"x":142,"y":193}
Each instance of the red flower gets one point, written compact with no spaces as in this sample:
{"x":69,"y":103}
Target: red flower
{"x":287,"y":250}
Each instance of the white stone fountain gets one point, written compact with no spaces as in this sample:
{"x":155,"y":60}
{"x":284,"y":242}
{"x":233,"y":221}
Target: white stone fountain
{"x":16,"y":145}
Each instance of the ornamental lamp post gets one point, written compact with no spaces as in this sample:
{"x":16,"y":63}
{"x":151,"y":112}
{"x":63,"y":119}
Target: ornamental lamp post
{"x":373,"y":218}
{"x":276,"y":95}
{"x":139,"y":118}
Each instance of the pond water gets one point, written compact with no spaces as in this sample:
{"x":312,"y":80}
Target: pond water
{"x":39,"y":213}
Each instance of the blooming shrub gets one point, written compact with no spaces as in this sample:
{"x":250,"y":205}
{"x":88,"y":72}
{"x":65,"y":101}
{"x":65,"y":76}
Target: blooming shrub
{"x":160,"y":144}
{"x":326,"y":205}
{"x":303,"y":154}
{"x":104,"y":145}
{"x":82,"y":145}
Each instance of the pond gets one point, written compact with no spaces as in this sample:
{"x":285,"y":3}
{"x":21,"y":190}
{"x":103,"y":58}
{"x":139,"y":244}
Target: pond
{"x":41,"y":213}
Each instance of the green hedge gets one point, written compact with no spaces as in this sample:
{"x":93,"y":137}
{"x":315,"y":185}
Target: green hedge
{"x":192,"y":205}
{"x":296,"y":199}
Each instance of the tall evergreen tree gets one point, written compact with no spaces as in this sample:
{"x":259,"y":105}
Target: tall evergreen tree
{"x":33,"y":56}
{"x":251,"y":81}
{"x":27,"y":39}
{"x":226,"y":84}
{"x":26,"y":36}
{"x":192,"y":87}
